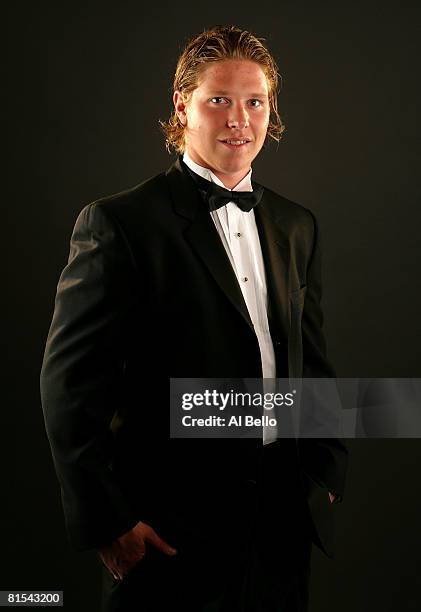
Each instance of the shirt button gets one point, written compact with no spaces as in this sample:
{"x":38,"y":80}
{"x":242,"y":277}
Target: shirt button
{"x":244,"y":279}
{"x":238,"y":234}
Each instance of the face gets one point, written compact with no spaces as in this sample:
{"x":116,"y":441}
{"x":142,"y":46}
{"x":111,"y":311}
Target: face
{"x":230,"y":103}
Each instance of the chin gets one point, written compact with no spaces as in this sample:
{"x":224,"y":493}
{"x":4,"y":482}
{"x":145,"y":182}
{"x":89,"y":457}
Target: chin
{"x":236,"y":167}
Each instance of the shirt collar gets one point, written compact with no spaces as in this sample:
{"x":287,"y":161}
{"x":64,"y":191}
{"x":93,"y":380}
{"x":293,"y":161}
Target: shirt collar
{"x":243,"y":185}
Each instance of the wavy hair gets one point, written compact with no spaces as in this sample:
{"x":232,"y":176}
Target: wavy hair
{"x":219,"y":43}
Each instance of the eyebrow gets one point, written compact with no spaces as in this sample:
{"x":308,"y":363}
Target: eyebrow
{"x":227,"y":93}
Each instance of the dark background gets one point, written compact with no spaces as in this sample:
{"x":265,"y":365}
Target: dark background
{"x":87,"y":85}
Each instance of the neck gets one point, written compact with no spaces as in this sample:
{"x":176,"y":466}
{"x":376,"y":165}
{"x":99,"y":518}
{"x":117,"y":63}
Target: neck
{"x":230,"y":180}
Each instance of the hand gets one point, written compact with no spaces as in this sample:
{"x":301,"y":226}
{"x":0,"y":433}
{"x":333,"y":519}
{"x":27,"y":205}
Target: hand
{"x":332,"y":497}
{"x":127,"y":550}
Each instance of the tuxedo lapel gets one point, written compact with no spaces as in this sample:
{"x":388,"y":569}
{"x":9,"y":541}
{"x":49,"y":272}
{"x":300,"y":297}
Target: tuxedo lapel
{"x":275,"y":250}
{"x":203,"y":236}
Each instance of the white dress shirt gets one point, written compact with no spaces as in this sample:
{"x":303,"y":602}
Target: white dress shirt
{"x":238,"y":232}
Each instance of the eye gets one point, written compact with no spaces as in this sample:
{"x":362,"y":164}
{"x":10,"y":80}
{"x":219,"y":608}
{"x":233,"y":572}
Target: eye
{"x":259,"y":102}
{"x":217,"y":98}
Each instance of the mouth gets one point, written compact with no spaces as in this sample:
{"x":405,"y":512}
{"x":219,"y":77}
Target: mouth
{"x":233,"y":143}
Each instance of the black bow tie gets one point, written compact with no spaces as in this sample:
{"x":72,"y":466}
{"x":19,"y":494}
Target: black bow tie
{"x":217,"y":196}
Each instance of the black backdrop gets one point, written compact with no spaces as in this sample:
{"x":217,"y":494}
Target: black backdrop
{"x":87,"y":85}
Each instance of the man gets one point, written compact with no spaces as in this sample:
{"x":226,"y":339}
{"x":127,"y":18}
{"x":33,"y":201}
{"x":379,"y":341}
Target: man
{"x":180,"y":277}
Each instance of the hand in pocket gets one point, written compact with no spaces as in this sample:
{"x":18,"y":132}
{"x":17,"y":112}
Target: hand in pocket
{"x":130,"y":548}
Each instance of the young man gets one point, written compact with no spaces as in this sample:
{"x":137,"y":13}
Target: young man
{"x":184,"y":277}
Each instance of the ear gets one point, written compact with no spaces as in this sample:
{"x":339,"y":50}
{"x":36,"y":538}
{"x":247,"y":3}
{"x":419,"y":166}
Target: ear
{"x":180,"y":107}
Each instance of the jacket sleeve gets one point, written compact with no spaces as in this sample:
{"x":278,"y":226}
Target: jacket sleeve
{"x":82,"y":374}
{"x":325,"y":460}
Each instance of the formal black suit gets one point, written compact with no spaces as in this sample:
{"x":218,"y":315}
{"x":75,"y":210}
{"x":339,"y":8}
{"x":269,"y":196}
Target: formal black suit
{"x":149,"y":293}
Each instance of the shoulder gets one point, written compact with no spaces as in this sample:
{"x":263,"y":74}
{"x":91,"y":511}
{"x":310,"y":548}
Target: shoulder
{"x":132,"y":205}
{"x":134,"y":197}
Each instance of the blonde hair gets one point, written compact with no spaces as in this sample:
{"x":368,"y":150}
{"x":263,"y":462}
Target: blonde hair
{"x":213,"y":45}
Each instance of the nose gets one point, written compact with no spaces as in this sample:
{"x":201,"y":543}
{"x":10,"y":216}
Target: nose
{"x":238,"y":119}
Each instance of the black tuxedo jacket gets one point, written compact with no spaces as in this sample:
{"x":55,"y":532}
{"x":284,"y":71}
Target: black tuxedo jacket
{"x":148,"y":293}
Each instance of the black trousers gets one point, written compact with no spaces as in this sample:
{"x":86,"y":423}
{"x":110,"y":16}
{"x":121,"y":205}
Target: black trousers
{"x":261,"y":564}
